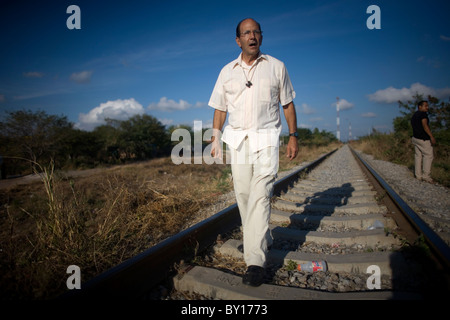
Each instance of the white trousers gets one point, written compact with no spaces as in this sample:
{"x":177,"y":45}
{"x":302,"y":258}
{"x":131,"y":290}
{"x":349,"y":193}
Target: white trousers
{"x":254,"y":174}
{"x":423,"y":158}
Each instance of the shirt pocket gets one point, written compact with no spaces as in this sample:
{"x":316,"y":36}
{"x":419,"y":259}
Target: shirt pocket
{"x":267,"y":91}
{"x":231,"y":88}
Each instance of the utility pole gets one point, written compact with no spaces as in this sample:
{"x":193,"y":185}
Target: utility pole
{"x":338,"y":133}
{"x":349,"y":131}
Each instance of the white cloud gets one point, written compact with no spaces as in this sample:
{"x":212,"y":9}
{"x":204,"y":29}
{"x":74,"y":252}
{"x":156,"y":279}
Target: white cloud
{"x":306,"y":109}
{"x":81,"y":77}
{"x":344,"y":104}
{"x":169,"y":105}
{"x":444,"y":38}
{"x":368,"y":115}
{"x":118,"y":110}
{"x":391,"y":94}
{"x":33,"y":74}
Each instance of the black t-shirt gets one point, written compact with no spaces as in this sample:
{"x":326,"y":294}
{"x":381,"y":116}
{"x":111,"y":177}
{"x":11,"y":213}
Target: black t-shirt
{"x":416,"y":122}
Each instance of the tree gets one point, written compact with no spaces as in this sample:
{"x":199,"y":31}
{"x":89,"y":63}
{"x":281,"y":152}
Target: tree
{"x":304,"y":134}
{"x":82,"y":148}
{"x":306,"y":137}
{"x":35,"y":136}
{"x":143,"y":136}
{"x":441,"y":113}
{"x":108,"y":137}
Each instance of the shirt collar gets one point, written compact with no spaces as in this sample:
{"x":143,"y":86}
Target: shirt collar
{"x":238,"y":61}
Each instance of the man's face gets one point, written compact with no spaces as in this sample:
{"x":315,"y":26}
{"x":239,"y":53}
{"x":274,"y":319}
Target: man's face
{"x":424,"y":107}
{"x":250,"y":39}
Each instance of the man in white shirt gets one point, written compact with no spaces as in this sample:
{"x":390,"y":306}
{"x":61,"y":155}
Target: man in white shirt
{"x":250,"y":89}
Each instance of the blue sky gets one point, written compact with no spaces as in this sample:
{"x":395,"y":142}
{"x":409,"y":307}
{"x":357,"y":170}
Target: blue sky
{"x":163,"y":57}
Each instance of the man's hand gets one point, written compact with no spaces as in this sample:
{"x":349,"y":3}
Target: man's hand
{"x":292,"y":148}
{"x":218,"y":121}
{"x":427,"y":129}
{"x":291,"y":119}
{"x":216,"y":148}
{"x":433,"y":140}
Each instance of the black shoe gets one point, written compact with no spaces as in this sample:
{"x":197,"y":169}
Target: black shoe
{"x":254,"y":276}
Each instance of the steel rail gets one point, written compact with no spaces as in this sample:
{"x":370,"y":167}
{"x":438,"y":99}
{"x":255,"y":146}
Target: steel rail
{"x":439,"y":248}
{"x":133,"y":278}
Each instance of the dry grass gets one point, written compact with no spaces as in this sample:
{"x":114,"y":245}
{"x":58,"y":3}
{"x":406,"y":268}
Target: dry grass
{"x":97,"y":221}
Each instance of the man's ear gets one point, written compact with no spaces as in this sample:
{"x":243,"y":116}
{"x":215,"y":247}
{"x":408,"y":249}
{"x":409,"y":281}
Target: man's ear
{"x":238,"y":41}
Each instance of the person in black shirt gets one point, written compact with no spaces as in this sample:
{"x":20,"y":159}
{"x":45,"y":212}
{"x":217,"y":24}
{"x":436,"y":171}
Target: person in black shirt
{"x":423,"y":142}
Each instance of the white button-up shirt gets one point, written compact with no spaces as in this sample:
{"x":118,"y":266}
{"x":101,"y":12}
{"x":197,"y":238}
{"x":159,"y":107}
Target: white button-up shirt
{"x":254,"y":111}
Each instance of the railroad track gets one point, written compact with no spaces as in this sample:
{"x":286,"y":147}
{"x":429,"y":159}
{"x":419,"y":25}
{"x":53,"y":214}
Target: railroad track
{"x":333,"y":210}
